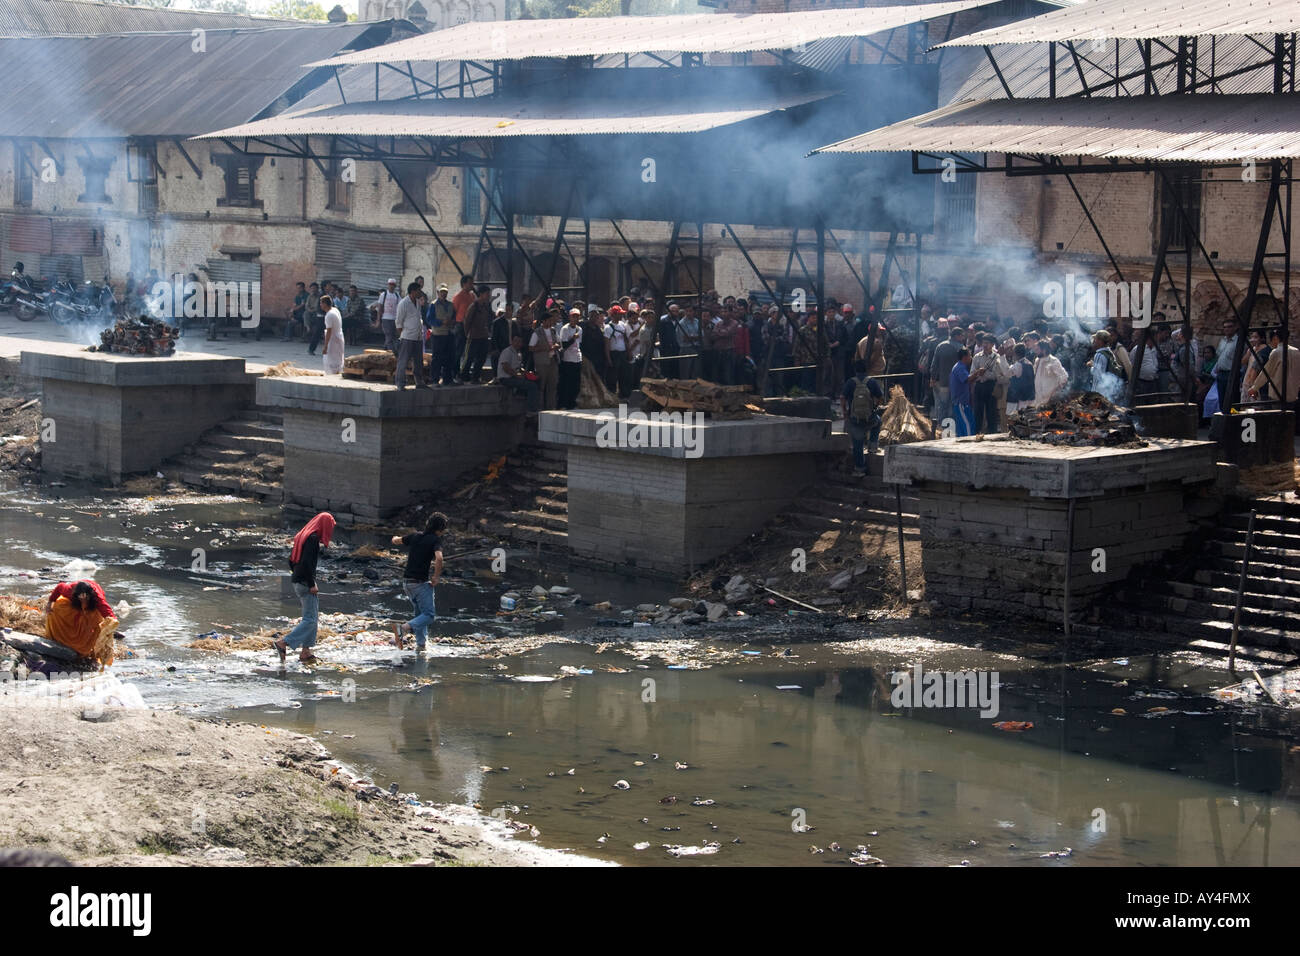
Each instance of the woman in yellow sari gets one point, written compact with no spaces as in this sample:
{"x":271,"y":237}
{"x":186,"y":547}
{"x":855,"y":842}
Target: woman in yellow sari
{"x":76,"y":621}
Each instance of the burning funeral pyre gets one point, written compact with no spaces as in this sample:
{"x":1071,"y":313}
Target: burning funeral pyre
{"x":1081,"y":418}
{"x":143,"y":335}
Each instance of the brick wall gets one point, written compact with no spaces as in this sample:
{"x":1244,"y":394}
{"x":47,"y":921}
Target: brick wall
{"x":1004,"y":552}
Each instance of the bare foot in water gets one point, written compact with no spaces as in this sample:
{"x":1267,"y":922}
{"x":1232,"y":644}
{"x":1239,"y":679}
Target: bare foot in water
{"x":280,"y":646}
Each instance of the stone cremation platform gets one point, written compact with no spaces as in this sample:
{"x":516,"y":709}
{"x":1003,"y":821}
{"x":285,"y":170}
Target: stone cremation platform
{"x":365,"y":450}
{"x":672,"y":497}
{"x":995,"y":517}
{"x":109,"y":415}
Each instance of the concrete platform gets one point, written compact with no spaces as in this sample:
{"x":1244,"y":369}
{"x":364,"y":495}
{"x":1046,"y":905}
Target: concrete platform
{"x":667,"y":510}
{"x":1168,"y":420}
{"x":995,"y":520}
{"x":115,"y":415}
{"x":370,"y":450}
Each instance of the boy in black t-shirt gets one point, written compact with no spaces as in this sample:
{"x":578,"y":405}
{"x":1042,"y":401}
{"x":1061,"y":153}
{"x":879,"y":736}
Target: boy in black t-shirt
{"x":423,"y":550}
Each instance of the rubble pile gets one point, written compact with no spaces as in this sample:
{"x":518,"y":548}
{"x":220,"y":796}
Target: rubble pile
{"x":142,"y":335}
{"x":1080,"y":419}
{"x":695,"y":395}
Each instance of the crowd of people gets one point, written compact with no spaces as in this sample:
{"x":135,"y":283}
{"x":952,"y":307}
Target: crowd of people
{"x":977,"y":373}
{"x":538,"y":345}
{"x":971,"y":372}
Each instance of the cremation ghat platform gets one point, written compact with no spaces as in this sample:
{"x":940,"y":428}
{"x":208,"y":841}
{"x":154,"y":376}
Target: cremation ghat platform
{"x":669,"y":509}
{"x":365,"y":450}
{"x":995,"y":517}
{"x":109,"y":415}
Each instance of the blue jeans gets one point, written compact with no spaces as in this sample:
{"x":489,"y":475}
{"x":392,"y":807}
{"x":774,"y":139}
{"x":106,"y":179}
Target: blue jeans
{"x":304,"y":635}
{"x":860,"y":435}
{"x":421,"y":596}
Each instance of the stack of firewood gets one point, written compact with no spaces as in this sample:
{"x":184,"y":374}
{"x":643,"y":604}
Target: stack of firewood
{"x":143,"y":335}
{"x":696,"y":395}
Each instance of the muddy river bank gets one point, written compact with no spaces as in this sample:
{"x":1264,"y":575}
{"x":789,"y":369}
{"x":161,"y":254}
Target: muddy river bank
{"x":771,"y":739}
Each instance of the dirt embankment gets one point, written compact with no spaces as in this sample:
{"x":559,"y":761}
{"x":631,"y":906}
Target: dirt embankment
{"x":150,"y":788}
{"x":20,"y":422}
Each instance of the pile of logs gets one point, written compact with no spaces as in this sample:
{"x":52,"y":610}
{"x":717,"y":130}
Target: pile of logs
{"x":374,"y":364}
{"x":142,"y":335}
{"x":1081,"y":418}
{"x":695,"y":395}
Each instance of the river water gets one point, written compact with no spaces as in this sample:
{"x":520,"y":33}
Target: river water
{"x":706,"y":745}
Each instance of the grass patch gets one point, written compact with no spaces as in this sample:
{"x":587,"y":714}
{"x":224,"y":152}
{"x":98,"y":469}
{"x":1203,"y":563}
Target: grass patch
{"x":340,"y":811}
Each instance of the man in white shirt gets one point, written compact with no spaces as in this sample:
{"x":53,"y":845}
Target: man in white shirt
{"x":570,"y":373}
{"x":409,"y":325}
{"x":901,"y":297}
{"x":618,"y":333}
{"x":1224,"y":356}
{"x":544,"y":346}
{"x":988,"y":369}
{"x":510,"y":371}
{"x":386,"y":311}
{"x":1050,"y":375}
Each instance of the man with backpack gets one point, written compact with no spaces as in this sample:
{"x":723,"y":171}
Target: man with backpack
{"x":385,"y":310}
{"x":861,"y":399}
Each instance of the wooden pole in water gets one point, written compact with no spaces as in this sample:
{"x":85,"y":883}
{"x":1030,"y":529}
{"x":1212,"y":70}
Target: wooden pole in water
{"x":1241,"y":595}
{"x":1069,"y":561}
{"x":902,"y":555}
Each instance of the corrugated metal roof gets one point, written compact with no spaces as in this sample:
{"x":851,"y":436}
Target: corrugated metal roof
{"x":968,"y":75}
{"x":490,"y":117}
{"x":155,"y":84}
{"x":1125,"y":19}
{"x":1202,"y":128}
{"x":28,"y":18}
{"x":684,"y":33}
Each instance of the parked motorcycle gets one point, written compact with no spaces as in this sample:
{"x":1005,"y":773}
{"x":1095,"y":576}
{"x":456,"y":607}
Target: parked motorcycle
{"x":30,"y":302}
{"x":87,"y":303}
{"x":20,"y":285}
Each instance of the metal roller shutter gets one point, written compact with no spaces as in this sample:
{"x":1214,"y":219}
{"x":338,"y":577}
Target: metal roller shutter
{"x":364,"y":259}
{"x":76,"y":237}
{"x":30,"y":234}
{"x":227,"y":270}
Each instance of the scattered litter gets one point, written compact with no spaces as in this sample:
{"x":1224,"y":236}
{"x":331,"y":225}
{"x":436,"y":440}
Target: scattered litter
{"x":1014,"y":726}
{"x":705,"y":850}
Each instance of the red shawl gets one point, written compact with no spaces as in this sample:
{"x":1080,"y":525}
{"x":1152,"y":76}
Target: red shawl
{"x":322,"y":524}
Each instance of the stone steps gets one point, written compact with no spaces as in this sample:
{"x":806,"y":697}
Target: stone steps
{"x":253,"y":444}
{"x":1212,"y":605}
{"x":531,"y":534}
{"x":1167,"y":628}
{"x":1200,"y":602}
{"x":243,"y":455}
{"x":868,"y":512}
{"x":537,"y":519}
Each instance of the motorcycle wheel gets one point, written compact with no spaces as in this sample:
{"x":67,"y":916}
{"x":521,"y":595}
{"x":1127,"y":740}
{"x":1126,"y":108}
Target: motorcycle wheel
{"x":24,"y":312}
{"x":63,"y":314}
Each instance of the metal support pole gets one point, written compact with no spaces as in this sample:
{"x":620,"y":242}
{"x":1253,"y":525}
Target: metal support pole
{"x":902,"y":555}
{"x":1069,"y":563}
{"x":420,"y":212}
{"x":1252,"y":290}
{"x":1241,"y":593}
{"x":822,"y":366}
